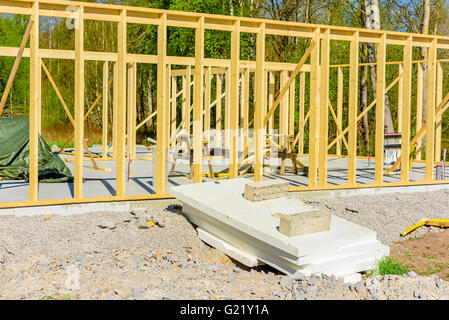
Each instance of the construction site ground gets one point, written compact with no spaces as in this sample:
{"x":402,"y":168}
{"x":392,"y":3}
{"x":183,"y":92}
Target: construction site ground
{"x":121,"y":256}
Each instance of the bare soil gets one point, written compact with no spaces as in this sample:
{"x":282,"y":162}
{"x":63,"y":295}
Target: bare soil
{"x":427,"y":255}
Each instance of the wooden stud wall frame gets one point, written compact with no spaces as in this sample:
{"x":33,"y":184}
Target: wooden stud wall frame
{"x":193,"y":86}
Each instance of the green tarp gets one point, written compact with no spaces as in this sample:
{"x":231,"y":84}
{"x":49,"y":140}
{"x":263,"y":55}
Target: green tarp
{"x":14,"y":154}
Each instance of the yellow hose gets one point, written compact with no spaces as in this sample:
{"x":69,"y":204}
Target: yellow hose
{"x":442,"y":222}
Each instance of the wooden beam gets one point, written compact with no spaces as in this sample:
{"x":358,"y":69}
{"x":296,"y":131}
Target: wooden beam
{"x":353,"y":107}
{"x":302,"y":88}
{"x":121,"y":105}
{"x":104,"y":113}
{"x":314,"y":122}
{"x":400,"y":96}
{"x":198,"y":103}
{"x":79,"y":104}
{"x":339,"y":107}
{"x":380,"y":116}
{"x":406,"y":110}
{"x":114,"y":110}
{"x":218,"y":110}
{"x":324,"y":112}
{"x":438,"y":121}
{"x":419,"y":93}
{"x":16,"y":63}
{"x":234,"y":99}
{"x":260,"y":96}
{"x":245,"y":106}
{"x":431,"y":88}
{"x":162,"y":107}
{"x":35,"y":83}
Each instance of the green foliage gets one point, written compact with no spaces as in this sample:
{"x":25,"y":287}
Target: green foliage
{"x":388,"y":266}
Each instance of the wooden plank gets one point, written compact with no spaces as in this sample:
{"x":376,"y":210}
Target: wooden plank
{"x":114,"y":110}
{"x":104,"y":113}
{"x":291,"y":108}
{"x":380,"y":116}
{"x":438,"y":121}
{"x":302,"y":88}
{"x":400,"y":96}
{"x":121,"y":105}
{"x":218,"y":110}
{"x":260,"y":96}
{"x":353,"y":107}
{"x":188,"y":99}
{"x":245,"y":106}
{"x":271,"y":91}
{"x":419,"y":105}
{"x":198,"y":102}
{"x":431,"y":88}
{"x":173,"y":101}
{"x":314,"y":121}
{"x":283,"y":111}
{"x":406,"y":110}
{"x":207,"y":104}
{"x":162,"y":107}
{"x":339,"y":106}
{"x":35,"y":83}
{"x":227,"y":112}
{"x":16,"y":64}
{"x":324,"y":112}
{"x":79,"y":104}
{"x":234,"y":100}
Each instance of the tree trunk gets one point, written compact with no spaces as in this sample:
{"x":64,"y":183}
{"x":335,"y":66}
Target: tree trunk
{"x":372,"y":21}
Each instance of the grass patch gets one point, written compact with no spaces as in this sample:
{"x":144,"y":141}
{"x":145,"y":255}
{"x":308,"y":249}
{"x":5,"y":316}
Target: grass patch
{"x":387,"y":266}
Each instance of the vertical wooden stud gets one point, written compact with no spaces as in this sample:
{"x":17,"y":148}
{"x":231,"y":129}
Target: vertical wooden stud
{"x":121,"y":105}
{"x":439,"y":97}
{"x":406,"y":110}
{"x":114,"y":111}
{"x":302,"y":89}
{"x":400,"y":97}
{"x":104,"y":113}
{"x":380,"y":114}
{"x":198,"y":102}
{"x":324,"y":109}
{"x":430,"y":130}
{"x":218,"y":111}
{"x":419,"y":92}
{"x":35,"y":82}
{"x":339,"y":107}
{"x":162,"y":106}
{"x":207,"y":97}
{"x":314,"y":109}
{"x":260,"y":97}
{"x":234,"y":103}
{"x":353,"y":107}
{"x":188,"y":98}
{"x":79,"y":104}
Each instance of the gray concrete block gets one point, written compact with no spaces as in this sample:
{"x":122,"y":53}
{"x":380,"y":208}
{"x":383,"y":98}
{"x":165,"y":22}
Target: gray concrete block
{"x":265,"y":190}
{"x":303,"y":223}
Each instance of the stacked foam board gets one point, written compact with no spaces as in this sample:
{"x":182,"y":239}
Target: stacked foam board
{"x":249,"y":232}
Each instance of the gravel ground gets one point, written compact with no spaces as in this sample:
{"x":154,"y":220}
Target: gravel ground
{"x":120,"y":256}
{"x":389,"y":214}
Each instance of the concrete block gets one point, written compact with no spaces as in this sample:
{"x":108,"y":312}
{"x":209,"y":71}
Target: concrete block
{"x":303,"y":223}
{"x":265,"y":190}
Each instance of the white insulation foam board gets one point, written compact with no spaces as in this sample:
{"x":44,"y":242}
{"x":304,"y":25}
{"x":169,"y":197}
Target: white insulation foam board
{"x":247,"y":231}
